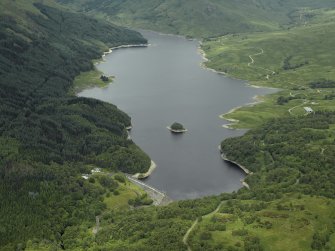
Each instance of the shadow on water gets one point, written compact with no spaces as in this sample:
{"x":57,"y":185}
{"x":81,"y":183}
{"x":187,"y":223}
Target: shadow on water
{"x":233,"y":166}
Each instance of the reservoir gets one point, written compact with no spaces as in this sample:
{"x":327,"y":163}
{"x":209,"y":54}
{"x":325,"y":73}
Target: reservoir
{"x":165,"y":83}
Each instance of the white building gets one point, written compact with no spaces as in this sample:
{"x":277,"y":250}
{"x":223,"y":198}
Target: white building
{"x":308,"y":109}
{"x":96,"y":170}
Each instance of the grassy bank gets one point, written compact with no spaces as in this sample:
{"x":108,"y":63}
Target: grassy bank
{"x":89,"y":79}
{"x":288,"y":59}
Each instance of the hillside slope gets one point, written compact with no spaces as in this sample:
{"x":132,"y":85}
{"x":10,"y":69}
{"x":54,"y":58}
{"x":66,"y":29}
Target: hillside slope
{"x":48,"y":138}
{"x":291,"y":59}
{"x":200,"y":18}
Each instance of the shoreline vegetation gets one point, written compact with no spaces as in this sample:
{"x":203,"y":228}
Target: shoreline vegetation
{"x":153,"y":165}
{"x":87,"y":77}
{"x":244,"y":169}
{"x":224,"y":157}
{"x":145,"y":175}
{"x":90,"y":79}
{"x":297,"y":79}
{"x":110,"y":50}
{"x":205,"y":59}
{"x":258,"y":100}
{"x":139,"y":176}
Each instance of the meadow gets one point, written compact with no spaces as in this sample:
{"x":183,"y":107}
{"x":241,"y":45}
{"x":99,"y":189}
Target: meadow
{"x":260,"y":58}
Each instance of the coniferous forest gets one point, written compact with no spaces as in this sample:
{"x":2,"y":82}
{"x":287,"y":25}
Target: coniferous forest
{"x":49,"y":137}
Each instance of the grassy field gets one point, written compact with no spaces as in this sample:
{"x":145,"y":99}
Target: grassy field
{"x":285,"y":224}
{"x":260,"y":58}
{"x":89,"y":79}
{"x":126,"y":191}
{"x":118,"y":194}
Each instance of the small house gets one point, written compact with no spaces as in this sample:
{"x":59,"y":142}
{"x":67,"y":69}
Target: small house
{"x":308,"y":109}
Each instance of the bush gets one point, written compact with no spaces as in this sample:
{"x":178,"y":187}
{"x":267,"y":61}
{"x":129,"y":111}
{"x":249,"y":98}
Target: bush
{"x":240,"y":232}
{"x":120,"y":177}
{"x":177,"y":126}
{"x":107,"y":182}
{"x":205,"y":236}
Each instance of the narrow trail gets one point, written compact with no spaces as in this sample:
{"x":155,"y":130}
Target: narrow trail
{"x":252,"y":62}
{"x":297,"y":182}
{"x":195,"y":223}
{"x":185,"y":239}
{"x":97,"y":225}
{"x":305,"y":101}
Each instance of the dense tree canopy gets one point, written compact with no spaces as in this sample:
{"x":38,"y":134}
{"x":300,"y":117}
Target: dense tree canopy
{"x":294,"y":154}
{"x":47,"y":137}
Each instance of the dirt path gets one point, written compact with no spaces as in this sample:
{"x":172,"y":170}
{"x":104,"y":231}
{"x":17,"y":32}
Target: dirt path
{"x":97,"y":225}
{"x":185,"y":239}
{"x":305,"y":101}
{"x":195,"y":223}
{"x":252,"y":62}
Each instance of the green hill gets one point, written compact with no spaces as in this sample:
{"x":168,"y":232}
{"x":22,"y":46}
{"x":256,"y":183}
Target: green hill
{"x":201,"y":18}
{"x":49,"y":138}
{"x":290,"y":59}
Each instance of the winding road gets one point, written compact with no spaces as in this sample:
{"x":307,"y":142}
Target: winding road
{"x":252,"y":60}
{"x":305,"y":101}
{"x":195,"y":223}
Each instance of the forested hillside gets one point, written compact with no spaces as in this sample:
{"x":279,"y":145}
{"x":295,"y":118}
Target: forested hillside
{"x":48,"y":137}
{"x":201,"y":18}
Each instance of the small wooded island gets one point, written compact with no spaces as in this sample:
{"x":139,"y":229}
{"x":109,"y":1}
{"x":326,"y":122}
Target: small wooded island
{"x":104,"y":78}
{"x":177,"y":128}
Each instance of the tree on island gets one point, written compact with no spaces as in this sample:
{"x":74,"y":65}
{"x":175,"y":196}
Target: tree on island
{"x":177,"y":127}
{"x":104,"y":78}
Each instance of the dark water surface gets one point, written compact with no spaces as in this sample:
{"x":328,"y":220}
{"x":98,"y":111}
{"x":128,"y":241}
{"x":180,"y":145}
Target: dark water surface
{"x":164,"y":83}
